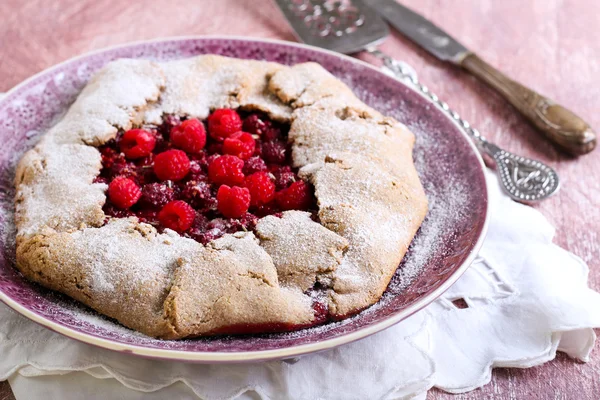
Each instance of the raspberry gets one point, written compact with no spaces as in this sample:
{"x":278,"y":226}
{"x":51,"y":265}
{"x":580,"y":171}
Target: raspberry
{"x":145,"y":171}
{"x":226,"y":170}
{"x":190,"y":136}
{"x":258,"y":149}
{"x":157,"y":195}
{"x":198,"y":194}
{"x":233,"y":202}
{"x":137,"y":143}
{"x":177,"y":215}
{"x":255,"y":125}
{"x":121,"y":167}
{"x":196,"y":171}
{"x":272,"y":133}
{"x":248,"y":221}
{"x":171,"y":165}
{"x":254,"y":164}
{"x":223,"y":122}
{"x":274,"y":152}
{"x":296,"y":197}
{"x":262,"y":189}
{"x":284,"y":177}
{"x":239,"y":144}
{"x":198,"y":229}
{"x":123,"y":192}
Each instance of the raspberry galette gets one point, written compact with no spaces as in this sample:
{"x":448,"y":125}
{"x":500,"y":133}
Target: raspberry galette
{"x":214,"y":195}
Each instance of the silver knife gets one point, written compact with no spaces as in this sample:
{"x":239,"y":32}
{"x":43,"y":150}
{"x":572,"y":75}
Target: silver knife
{"x":560,"y":125}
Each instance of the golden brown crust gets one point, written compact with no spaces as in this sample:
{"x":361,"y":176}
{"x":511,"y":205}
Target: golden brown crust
{"x":370,"y":203}
{"x":303,"y":251}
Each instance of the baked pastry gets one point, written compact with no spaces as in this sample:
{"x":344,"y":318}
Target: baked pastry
{"x":214,"y":195}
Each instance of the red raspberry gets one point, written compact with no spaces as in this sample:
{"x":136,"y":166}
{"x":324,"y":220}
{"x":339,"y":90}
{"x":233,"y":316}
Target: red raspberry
{"x":239,"y":144}
{"x":274,"y":152}
{"x":137,"y":143}
{"x":254,"y":164}
{"x":248,"y":221}
{"x":171,"y":165}
{"x":224,"y":122}
{"x":198,"y":194}
{"x":258,"y":149}
{"x":226,"y":170}
{"x":255,"y":125}
{"x":198,"y":229}
{"x":196,"y":171}
{"x":272,"y":133}
{"x":157,"y":195}
{"x":262,"y":189}
{"x":145,"y":171}
{"x":177,"y":215}
{"x":190,"y":136}
{"x":284,"y":177}
{"x":297,"y":197}
{"x":119,"y":166}
{"x":123,"y":192}
{"x":233,"y":202}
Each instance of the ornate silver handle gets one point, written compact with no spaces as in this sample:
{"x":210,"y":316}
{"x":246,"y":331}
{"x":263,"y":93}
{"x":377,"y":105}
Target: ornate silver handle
{"x":559,"y":124}
{"x":522,"y":178}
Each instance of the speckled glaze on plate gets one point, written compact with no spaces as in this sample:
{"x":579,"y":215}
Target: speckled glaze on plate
{"x":450,"y":167}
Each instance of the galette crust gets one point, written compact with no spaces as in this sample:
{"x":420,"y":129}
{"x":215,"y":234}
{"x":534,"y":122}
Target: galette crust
{"x":370,"y":201}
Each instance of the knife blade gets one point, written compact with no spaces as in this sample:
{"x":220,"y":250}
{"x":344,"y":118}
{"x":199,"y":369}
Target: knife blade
{"x":420,"y":30}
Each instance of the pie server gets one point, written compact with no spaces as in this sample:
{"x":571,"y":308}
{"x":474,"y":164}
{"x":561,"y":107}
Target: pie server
{"x":350,"y":26}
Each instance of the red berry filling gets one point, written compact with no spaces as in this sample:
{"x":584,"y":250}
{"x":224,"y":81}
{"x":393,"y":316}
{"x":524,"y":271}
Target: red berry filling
{"x":203,"y":183}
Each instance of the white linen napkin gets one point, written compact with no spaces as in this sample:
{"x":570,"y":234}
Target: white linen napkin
{"x":526,"y":297}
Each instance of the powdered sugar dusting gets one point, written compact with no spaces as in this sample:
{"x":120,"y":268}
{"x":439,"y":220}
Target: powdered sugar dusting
{"x":436,"y":138}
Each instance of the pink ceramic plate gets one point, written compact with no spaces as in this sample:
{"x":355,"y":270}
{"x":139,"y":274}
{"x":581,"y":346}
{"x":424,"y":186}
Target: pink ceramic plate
{"x":449,"y":165}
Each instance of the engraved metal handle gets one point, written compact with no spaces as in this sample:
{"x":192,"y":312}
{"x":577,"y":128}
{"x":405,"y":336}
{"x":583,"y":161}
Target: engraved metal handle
{"x":560,"y":125}
{"x":523,"y":179}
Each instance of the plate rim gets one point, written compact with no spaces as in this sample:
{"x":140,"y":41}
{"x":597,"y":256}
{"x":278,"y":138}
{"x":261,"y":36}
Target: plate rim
{"x":255,"y":355}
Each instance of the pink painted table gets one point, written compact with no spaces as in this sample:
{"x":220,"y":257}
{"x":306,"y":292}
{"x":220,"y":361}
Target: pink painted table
{"x":552,"y":45}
